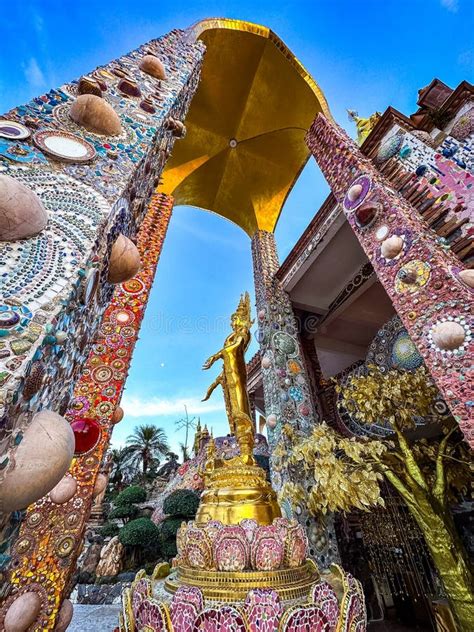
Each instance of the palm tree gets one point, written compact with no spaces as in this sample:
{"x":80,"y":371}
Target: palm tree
{"x":121,"y":469}
{"x":146,"y":445}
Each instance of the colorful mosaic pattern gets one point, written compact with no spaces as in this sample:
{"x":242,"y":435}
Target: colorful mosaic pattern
{"x":262,"y":610}
{"x":152,"y":615}
{"x":223,"y":619}
{"x":231,"y":549}
{"x":286,"y":384}
{"x":352,"y":611}
{"x":324,"y":595}
{"x":391,"y":348}
{"x":248,"y":545}
{"x":51,"y":536}
{"x":300,"y":619}
{"x":57,"y":280}
{"x":432,"y":296}
{"x":445,"y":172}
{"x":185,"y":607}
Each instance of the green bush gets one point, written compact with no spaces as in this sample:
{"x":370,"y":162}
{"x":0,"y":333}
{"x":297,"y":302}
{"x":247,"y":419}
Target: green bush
{"x":140,"y":532}
{"x":182,"y":502}
{"x":109,"y":530}
{"x":168,"y":549}
{"x":130,"y":496}
{"x":169,"y":527}
{"x":124,"y":512}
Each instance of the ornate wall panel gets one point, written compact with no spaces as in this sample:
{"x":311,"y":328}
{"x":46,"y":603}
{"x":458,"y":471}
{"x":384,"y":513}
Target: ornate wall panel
{"x":287,"y":392}
{"x":426,"y":283}
{"x":51,"y":535}
{"x":53,"y":287}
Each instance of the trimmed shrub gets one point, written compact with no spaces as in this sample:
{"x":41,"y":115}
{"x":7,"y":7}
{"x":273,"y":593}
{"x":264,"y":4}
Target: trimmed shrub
{"x":124,"y":512}
{"x":109,"y":530}
{"x":182,"y":502}
{"x":140,"y":532}
{"x":131,"y":495}
{"x":169,"y":527}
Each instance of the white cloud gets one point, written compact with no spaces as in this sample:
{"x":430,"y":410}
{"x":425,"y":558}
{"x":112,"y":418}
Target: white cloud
{"x":156,"y":406}
{"x":33,"y":74}
{"x":450,"y":5}
{"x":38,"y":22}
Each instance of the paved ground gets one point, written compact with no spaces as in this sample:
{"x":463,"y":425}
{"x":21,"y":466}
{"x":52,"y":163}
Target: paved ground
{"x":94,"y":618}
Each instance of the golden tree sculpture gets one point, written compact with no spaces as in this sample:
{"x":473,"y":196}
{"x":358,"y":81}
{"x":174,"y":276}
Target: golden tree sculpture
{"x":428,"y":475}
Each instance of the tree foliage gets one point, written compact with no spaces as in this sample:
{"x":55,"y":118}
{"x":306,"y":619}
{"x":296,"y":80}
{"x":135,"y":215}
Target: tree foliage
{"x":396,"y":395}
{"x":169,"y":527}
{"x":124,"y":512}
{"x":109,"y":530}
{"x":342,"y":471}
{"x":139,"y":532}
{"x":122,"y":471}
{"x":145,"y":446}
{"x":185,"y":452}
{"x":426,"y":474}
{"x":169,"y":549}
{"x":182,"y":502}
{"x":131,"y":495}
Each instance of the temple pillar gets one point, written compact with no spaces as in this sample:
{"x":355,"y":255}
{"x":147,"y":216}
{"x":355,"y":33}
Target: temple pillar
{"x":427,"y":284}
{"x":69,"y":219}
{"x":287,"y":392}
{"x":52,"y":533}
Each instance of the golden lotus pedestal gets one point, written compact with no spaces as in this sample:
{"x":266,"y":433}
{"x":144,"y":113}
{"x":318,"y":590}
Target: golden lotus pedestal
{"x":238,"y":492}
{"x":231,"y":587}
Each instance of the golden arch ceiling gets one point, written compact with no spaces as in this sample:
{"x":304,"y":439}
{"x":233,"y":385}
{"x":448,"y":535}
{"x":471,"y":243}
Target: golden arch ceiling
{"x":244,"y":146}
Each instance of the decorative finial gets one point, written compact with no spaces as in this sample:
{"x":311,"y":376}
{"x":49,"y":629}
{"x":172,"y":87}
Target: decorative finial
{"x":364,"y":125}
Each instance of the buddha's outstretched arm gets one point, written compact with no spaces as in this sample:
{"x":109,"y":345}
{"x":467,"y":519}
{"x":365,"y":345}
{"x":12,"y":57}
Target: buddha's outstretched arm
{"x":210,"y":361}
{"x":212,"y":387}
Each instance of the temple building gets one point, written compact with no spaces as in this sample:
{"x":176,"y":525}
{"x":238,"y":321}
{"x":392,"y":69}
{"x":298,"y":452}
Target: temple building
{"x":347,"y":319}
{"x":375,"y":295}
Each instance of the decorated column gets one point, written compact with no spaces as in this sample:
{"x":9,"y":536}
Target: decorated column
{"x":51,"y":536}
{"x":427,"y":284}
{"x":77,"y":168}
{"x":288,"y":399}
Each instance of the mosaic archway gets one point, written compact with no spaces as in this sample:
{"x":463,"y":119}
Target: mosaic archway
{"x":89,"y":157}
{"x":86,"y":161}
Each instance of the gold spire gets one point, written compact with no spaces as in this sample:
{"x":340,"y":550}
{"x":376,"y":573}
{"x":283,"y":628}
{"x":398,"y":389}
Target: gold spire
{"x":364,"y":125}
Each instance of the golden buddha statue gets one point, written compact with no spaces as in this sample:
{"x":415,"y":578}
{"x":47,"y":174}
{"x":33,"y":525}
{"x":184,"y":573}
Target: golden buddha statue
{"x":237,"y":494}
{"x":236,"y":488}
{"x":233,"y":378}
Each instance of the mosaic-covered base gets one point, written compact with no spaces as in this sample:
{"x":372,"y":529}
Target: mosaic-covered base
{"x":329,"y":606}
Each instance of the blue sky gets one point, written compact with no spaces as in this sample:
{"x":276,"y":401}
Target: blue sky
{"x":364,"y":55}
